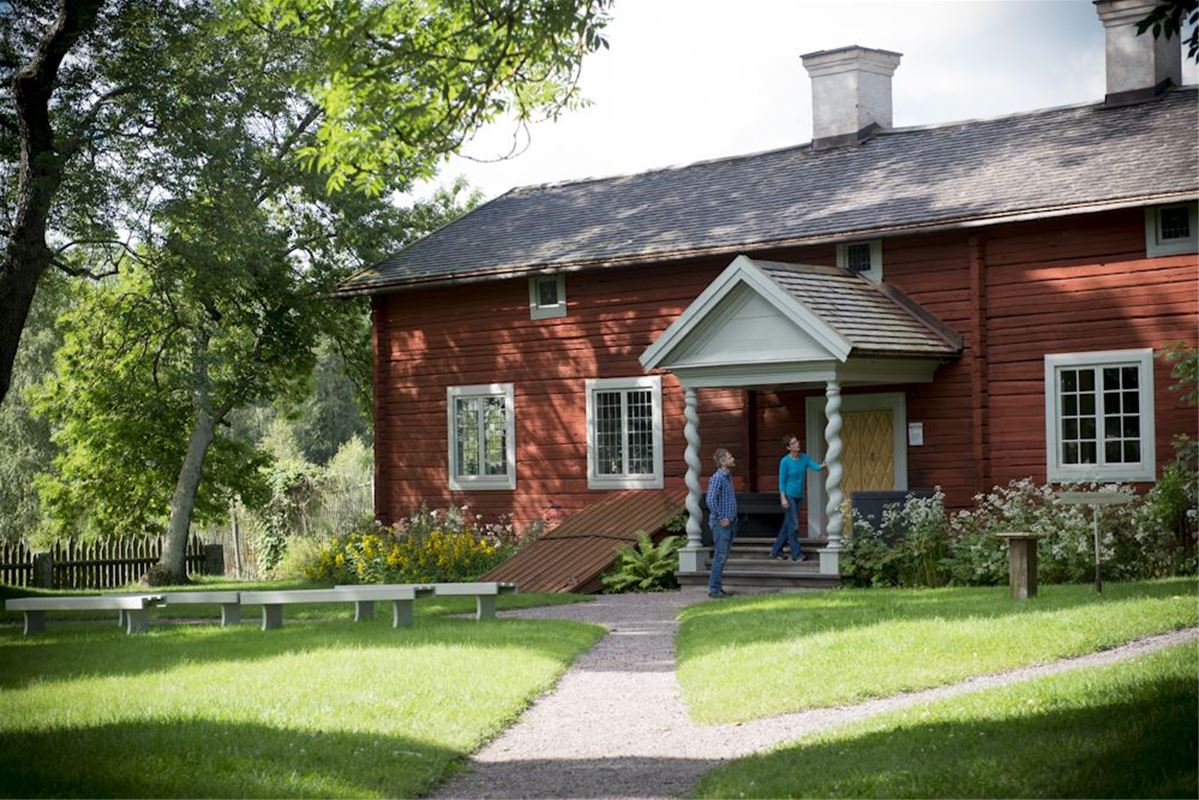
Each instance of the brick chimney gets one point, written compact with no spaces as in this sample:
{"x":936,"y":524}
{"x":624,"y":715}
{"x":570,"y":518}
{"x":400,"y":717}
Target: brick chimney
{"x":851,"y":93}
{"x":1138,"y":67}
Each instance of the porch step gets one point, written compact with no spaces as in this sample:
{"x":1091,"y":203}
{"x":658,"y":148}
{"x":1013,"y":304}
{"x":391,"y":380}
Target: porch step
{"x":751,"y":580}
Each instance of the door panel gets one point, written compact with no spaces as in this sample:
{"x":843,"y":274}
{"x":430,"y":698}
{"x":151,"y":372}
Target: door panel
{"x":869,"y":456}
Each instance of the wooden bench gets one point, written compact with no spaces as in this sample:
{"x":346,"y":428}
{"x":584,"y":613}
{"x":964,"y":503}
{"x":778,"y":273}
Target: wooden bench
{"x":363,"y":598}
{"x":133,"y":617}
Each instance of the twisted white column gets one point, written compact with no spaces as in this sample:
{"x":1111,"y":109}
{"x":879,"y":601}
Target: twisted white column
{"x":832,"y":458}
{"x":695,"y":514}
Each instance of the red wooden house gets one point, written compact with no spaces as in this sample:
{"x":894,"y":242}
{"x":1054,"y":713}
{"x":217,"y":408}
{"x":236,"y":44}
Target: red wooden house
{"x":956,"y":305}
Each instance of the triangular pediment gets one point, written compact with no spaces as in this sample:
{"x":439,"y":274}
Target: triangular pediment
{"x":745,"y":327}
{"x":743,"y":317}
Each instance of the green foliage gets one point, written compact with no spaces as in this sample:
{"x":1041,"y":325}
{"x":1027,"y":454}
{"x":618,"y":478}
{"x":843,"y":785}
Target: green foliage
{"x":678,"y":522}
{"x":25,"y":446}
{"x":1184,"y":359}
{"x":919,"y":545}
{"x":646,"y":567}
{"x":1169,"y":18}
{"x":429,"y":546}
{"x":120,"y":404}
{"x":401,"y":84}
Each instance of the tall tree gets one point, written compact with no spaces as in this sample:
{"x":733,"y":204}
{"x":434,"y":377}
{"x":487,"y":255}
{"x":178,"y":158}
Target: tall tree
{"x":398,"y":85}
{"x":54,"y":111}
{"x":223,"y":298}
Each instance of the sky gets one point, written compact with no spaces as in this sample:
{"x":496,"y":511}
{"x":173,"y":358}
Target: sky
{"x":689,"y":80}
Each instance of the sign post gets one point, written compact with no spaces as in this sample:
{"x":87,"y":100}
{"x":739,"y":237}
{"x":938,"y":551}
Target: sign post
{"x":1095,"y":500}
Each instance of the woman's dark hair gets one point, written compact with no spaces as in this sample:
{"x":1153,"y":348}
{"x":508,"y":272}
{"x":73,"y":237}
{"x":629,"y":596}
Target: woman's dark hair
{"x":787,"y":440}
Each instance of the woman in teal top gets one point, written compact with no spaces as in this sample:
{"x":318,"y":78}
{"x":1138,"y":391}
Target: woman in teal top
{"x":792,"y":473}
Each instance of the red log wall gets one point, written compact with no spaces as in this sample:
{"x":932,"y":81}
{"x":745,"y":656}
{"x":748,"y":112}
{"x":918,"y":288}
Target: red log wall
{"x":1015,"y":292}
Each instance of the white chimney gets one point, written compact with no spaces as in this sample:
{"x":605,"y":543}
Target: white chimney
{"x":851,"y":93}
{"x":1138,"y":66}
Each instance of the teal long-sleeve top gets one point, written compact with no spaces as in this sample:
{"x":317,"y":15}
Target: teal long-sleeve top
{"x":791,"y":473}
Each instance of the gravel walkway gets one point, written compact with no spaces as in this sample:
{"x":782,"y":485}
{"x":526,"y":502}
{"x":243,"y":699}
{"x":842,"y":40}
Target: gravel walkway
{"x":615,"y":726}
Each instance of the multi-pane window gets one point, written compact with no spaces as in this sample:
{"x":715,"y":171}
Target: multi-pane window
{"x":547,"y":296}
{"x":1171,"y":230}
{"x":482,"y":449}
{"x":857,"y":257}
{"x":1100,"y":416}
{"x":863,"y":258}
{"x":624,"y":421}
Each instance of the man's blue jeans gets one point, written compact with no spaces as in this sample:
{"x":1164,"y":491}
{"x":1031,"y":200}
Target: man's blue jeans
{"x":789,"y":533}
{"x":722,"y":540}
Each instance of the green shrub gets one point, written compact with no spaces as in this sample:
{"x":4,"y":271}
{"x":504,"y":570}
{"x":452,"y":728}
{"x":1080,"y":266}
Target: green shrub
{"x":429,"y":546}
{"x":1154,"y":536}
{"x":918,"y":558}
{"x":646,"y":567}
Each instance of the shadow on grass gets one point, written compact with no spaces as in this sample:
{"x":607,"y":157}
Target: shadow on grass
{"x":69,"y":651}
{"x":784,"y":617}
{"x":201,"y":758}
{"x":1141,"y":745}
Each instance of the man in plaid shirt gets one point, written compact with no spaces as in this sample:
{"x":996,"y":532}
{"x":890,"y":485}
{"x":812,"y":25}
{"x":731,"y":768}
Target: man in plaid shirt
{"x":722,"y":517}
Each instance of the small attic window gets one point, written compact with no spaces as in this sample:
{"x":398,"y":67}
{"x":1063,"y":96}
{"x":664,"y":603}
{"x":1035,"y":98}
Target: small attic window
{"x":547,"y":296}
{"x":1172,"y":230}
{"x":864,"y":258}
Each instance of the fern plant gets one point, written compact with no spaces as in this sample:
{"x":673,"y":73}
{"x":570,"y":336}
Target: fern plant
{"x":646,"y":567}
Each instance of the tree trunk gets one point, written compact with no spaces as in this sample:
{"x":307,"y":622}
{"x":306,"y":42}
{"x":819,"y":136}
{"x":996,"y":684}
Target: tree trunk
{"x":26,"y":255}
{"x":171,"y":569}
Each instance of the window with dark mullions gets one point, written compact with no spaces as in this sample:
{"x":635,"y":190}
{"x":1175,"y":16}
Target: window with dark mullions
{"x":1099,"y":419}
{"x":1174,"y":222}
{"x":857,"y":257}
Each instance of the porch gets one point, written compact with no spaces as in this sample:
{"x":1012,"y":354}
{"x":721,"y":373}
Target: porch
{"x":764,"y":325}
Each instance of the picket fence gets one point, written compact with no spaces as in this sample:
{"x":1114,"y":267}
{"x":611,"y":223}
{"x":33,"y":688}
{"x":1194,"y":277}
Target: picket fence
{"x":93,"y":565}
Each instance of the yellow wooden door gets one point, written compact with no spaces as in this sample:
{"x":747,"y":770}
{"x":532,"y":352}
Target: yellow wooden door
{"x":869,"y":452}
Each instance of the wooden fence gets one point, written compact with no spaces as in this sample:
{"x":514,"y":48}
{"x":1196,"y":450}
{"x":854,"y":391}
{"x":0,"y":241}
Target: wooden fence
{"x":93,"y":565}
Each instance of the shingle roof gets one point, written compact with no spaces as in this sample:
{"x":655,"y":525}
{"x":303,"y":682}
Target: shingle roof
{"x":1028,"y":164}
{"x":873,"y":318}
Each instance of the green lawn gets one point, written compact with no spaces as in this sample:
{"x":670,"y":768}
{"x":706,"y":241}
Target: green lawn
{"x":759,"y":656}
{"x":321,"y":708}
{"x":1126,"y":730}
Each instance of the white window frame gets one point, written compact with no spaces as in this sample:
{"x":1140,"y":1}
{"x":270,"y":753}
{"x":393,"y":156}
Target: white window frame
{"x":1146,"y":469}
{"x":1157,"y":246}
{"x":539,"y":311}
{"x":594,"y":479}
{"x":875,"y":273}
{"x":482,"y":482}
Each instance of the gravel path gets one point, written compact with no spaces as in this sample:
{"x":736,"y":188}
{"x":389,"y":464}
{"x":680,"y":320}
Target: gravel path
{"x":615,"y":726}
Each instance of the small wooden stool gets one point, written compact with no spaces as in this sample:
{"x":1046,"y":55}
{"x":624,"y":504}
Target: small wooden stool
{"x":1022,"y":563}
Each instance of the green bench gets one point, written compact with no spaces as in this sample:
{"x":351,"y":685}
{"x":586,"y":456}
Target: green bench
{"x":363,"y":598}
{"x":133,"y":616}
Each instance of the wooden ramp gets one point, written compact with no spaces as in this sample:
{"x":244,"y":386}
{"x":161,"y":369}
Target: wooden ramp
{"x":573,"y":556}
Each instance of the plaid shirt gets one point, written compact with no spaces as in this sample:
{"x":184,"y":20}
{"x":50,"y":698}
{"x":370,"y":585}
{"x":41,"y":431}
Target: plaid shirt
{"x":722,"y":503}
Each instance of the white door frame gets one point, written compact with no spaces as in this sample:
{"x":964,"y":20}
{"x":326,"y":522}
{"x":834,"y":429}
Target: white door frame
{"x":814,"y":422}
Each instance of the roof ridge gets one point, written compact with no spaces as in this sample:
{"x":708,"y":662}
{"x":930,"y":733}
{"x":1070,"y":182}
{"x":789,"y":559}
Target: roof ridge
{"x":807,"y":145}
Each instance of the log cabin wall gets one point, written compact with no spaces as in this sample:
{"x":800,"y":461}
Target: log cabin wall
{"x":1015,"y":292}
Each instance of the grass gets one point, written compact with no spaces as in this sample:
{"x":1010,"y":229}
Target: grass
{"x":325,"y":708}
{"x":1125,"y":730}
{"x":761,"y":656}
